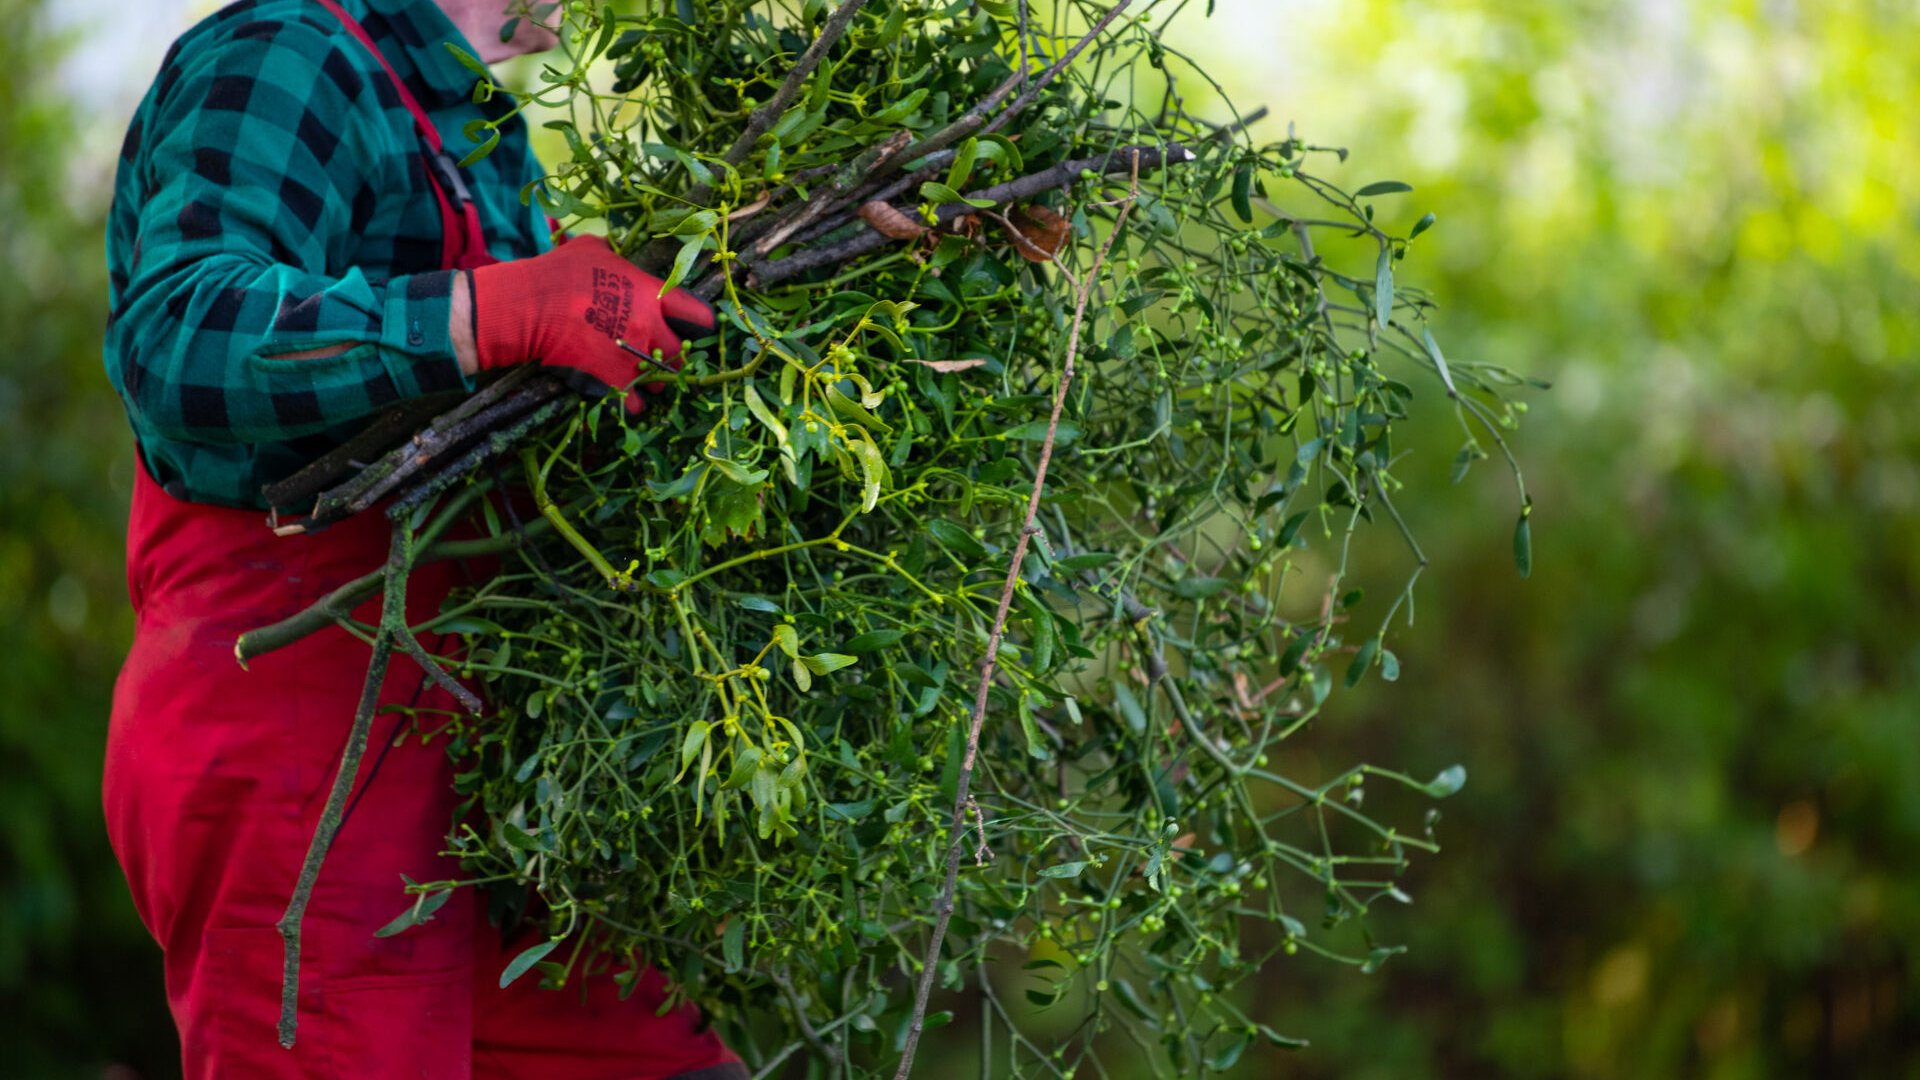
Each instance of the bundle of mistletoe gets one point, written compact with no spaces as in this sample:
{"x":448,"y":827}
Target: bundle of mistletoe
{"x":933,"y":642}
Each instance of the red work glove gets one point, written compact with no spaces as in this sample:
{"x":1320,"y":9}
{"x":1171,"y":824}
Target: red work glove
{"x":571,"y":309}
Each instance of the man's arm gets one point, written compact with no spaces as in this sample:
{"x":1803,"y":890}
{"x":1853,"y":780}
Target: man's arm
{"x":260,"y":153}
{"x":459,"y":330}
{"x":460,"y":326}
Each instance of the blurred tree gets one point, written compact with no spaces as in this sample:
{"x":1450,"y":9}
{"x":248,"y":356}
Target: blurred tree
{"x":79,"y":978}
{"x":1694,"y":735}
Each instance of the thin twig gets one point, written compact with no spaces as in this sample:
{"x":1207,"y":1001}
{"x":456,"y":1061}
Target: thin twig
{"x":943,"y":906}
{"x":392,"y":616}
{"x":829,"y":1052}
{"x":1023,"y":38}
{"x":763,"y":117}
{"x":412,"y":647}
{"x":974,"y":118}
{"x":1053,"y":70}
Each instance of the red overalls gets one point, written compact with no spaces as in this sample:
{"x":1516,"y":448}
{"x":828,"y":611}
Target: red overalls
{"x":215,"y":776}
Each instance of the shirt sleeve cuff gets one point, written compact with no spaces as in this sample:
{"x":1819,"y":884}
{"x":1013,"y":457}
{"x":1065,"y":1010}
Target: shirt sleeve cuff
{"x":415,"y":337}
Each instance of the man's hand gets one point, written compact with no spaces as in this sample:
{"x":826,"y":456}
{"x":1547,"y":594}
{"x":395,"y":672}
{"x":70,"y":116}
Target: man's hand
{"x":580,"y":308}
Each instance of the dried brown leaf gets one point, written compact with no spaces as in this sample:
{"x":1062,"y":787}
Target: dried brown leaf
{"x":890,"y":221}
{"x":1037,"y":232}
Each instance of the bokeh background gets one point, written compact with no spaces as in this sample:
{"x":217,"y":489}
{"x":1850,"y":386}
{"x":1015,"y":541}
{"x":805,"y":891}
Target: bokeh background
{"x":1690,"y":841}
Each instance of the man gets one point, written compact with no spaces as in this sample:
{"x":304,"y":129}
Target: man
{"x":291,"y":249}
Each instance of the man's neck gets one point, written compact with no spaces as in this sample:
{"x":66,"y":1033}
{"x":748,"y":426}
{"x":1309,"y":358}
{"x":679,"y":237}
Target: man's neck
{"x":480,"y":22}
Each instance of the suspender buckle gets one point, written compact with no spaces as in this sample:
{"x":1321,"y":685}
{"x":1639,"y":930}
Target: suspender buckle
{"x":447,"y":171}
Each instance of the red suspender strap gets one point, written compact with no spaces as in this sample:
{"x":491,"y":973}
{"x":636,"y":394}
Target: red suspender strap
{"x":463,"y":244}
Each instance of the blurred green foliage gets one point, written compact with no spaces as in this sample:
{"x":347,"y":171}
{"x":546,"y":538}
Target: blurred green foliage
{"x":1693,"y":736}
{"x":79,"y":978}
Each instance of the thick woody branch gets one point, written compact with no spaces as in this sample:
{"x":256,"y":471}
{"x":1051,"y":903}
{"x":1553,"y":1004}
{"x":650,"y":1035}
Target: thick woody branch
{"x":826,"y":211}
{"x":932,"y":152}
{"x":658,"y":254}
{"x":386,"y":431}
{"x":823,"y":221}
{"x":823,"y":200}
{"x":338,"y":605}
{"x":393,"y":634}
{"x":491,"y":445}
{"x":446,"y":436}
{"x":494,"y":405}
{"x":932,"y":164}
{"x":393,"y":615}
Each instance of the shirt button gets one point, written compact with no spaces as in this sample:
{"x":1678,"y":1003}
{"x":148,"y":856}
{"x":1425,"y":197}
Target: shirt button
{"x":414,"y":337}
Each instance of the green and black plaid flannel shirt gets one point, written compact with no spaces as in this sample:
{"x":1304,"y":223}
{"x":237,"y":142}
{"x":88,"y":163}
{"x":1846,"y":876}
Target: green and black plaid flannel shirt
{"x":272,"y":198}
